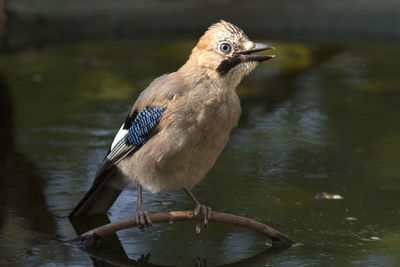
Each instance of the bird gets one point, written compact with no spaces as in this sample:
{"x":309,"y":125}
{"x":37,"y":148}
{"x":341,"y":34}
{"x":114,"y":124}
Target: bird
{"x":178,"y":126}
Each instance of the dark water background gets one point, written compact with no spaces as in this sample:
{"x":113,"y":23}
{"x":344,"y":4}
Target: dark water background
{"x":316,"y":119}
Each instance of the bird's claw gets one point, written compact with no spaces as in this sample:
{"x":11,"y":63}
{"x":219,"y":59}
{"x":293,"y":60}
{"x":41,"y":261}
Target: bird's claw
{"x":143,"y":220}
{"x":205,"y":211}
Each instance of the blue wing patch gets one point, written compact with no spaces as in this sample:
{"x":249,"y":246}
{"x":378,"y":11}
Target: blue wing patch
{"x":144,"y":122}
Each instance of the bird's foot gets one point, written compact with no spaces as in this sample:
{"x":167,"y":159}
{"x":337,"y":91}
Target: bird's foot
{"x":205,"y":211}
{"x":143,"y":220}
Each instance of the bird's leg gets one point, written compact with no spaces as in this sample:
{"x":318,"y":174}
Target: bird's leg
{"x":205,"y":210}
{"x":142,"y":216}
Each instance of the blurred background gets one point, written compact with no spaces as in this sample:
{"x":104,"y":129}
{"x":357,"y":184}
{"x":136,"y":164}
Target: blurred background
{"x":316,"y":153}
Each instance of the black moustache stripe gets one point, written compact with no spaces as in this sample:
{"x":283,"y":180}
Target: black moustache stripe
{"x":228,"y":64}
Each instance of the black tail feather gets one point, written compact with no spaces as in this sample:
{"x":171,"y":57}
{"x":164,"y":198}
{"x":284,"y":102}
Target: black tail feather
{"x":101,"y":195}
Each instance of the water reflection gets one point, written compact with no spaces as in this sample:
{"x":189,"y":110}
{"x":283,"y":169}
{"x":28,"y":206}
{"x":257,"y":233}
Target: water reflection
{"x":27,"y":229}
{"x":103,"y":256}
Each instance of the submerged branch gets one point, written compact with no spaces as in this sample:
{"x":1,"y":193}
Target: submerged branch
{"x":175,"y":216}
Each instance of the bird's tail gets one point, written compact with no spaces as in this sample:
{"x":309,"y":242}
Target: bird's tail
{"x":100,"y":197}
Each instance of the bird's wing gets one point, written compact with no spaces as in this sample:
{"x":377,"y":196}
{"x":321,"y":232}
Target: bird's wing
{"x":135,"y":132}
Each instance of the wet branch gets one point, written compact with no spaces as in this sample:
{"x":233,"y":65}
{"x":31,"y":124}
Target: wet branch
{"x":174,"y":216}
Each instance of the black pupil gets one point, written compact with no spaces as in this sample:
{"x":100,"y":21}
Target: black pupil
{"x":225,"y":47}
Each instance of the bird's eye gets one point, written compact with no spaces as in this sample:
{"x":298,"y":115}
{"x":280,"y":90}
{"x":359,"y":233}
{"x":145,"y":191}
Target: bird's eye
{"x":226,"y":48}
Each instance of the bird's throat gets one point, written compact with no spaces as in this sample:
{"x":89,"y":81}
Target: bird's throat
{"x":228,"y":64}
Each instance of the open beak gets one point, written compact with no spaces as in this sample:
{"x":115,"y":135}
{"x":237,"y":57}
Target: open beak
{"x":257,"y":48}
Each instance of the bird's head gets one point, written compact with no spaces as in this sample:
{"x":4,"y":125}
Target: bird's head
{"x":226,"y":53}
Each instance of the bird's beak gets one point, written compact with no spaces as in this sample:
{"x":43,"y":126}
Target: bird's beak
{"x":257,"y":48}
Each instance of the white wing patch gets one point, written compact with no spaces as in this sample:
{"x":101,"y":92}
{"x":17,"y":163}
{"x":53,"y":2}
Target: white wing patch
{"x":120,"y":135}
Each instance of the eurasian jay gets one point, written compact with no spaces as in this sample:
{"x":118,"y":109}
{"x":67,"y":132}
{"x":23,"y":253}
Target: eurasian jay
{"x":178,"y":125}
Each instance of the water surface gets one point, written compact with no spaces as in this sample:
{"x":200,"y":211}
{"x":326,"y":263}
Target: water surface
{"x":315,"y":119}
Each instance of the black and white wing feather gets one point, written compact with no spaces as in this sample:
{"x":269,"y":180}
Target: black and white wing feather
{"x":131,"y":137}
